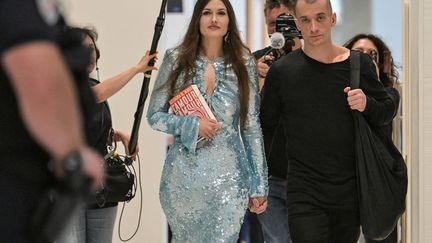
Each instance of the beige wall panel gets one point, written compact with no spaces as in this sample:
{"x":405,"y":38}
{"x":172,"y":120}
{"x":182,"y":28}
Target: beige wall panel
{"x":420,"y":118}
{"x":426,"y":79}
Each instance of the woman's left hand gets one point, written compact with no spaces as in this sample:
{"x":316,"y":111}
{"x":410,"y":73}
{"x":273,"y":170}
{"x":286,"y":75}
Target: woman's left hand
{"x":257,"y":204}
{"x":124,"y":138}
{"x":142,"y":65}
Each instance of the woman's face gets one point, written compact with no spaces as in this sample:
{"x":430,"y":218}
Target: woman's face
{"x":89,"y":43}
{"x":214,"y":20}
{"x":368,"y":47}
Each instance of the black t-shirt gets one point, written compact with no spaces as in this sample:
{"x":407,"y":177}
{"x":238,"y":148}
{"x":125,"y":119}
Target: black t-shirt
{"x":275,"y":154}
{"x":21,"y":22}
{"x":100,"y":125}
{"x":308,"y":99}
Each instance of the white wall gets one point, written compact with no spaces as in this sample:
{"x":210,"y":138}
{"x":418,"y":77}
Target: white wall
{"x":353,"y":17}
{"x":175,"y":26}
{"x":125,"y":33}
{"x":241,"y":12}
{"x":380,"y":17}
{"x":387,"y":23}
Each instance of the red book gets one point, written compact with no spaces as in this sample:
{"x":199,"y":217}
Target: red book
{"x":190,"y":102}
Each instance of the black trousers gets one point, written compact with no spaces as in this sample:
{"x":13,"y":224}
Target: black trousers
{"x":310,"y":223}
{"x":17,"y":202}
{"x":22,"y":182}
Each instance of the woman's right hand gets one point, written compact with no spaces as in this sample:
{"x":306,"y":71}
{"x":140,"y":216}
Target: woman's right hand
{"x":208,"y":128}
{"x":262,"y":66}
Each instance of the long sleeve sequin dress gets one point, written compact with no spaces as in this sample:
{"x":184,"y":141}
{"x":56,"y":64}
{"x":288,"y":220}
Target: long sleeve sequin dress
{"x":205,"y":186}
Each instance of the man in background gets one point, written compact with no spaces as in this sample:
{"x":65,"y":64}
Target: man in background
{"x":40,"y":117}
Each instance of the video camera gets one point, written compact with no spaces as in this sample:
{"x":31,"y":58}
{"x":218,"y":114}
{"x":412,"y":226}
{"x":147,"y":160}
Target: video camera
{"x":286,"y":25}
{"x":282,"y":41}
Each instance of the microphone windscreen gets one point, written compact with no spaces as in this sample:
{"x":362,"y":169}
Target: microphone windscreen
{"x":277,"y":40}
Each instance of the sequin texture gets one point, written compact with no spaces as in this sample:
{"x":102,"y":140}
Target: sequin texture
{"x":205,"y":186}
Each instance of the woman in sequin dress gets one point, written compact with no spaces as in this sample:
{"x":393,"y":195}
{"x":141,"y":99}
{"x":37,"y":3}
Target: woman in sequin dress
{"x":207,"y":186}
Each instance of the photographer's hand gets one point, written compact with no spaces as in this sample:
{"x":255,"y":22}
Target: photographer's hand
{"x":262,"y":66}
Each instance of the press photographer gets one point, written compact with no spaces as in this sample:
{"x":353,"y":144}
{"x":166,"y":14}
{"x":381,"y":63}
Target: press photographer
{"x":282,"y":41}
{"x":284,"y":37}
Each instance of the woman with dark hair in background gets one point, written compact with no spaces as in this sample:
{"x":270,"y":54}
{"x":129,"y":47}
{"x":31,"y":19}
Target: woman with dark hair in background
{"x":207,"y":186}
{"x":95,"y":223}
{"x":387,"y":74}
{"x":380,"y":54}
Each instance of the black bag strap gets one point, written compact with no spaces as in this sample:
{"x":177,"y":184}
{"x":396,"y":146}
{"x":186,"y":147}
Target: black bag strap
{"x":355,"y":69}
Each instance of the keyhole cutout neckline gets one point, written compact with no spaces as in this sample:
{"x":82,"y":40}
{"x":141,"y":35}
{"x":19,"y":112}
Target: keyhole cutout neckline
{"x":209,"y":75}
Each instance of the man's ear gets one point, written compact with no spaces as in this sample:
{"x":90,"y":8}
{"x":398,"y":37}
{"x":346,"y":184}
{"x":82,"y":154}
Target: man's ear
{"x":333,"y":19}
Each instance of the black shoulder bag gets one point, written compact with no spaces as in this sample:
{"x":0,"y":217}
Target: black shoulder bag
{"x":120,"y":181}
{"x":381,"y":172}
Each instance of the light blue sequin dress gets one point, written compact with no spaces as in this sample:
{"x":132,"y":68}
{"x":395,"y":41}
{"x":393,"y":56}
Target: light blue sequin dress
{"x":205,"y":187}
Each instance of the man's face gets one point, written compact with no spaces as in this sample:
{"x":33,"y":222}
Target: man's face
{"x":272,"y":14}
{"x":315,"y":21}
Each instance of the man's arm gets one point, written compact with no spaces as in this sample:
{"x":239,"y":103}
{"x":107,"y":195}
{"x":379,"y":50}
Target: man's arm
{"x":48,"y":102}
{"x":371,"y":98}
{"x":270,"y":106}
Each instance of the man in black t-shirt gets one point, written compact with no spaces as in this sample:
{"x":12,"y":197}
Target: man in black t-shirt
{"x":39,"y":114}
{"x":309,"y":94}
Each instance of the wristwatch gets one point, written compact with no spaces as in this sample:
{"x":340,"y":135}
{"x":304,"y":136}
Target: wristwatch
{"x":72,"y":162}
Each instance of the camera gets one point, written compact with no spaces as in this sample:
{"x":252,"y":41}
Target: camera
{"x":282,"y":41}
{"x":285,"y":25}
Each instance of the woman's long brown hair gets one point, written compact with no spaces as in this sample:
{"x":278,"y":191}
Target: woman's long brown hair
{"x":233,"y":50}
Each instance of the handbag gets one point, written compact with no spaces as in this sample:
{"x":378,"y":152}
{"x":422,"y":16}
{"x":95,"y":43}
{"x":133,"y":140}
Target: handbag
{"x":120,"y":181}
{"x":382,"y":178}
